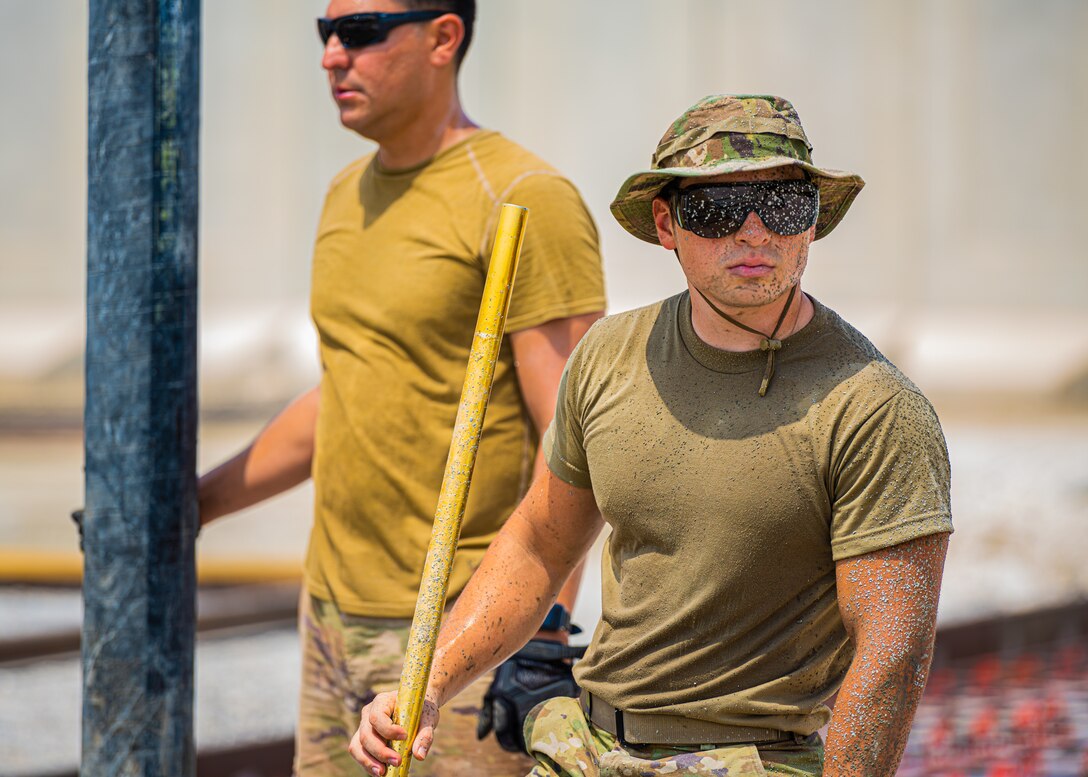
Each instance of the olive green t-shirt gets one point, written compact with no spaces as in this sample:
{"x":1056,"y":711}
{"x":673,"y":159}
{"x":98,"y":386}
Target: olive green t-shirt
{"x":398,"y":275}
{"x":729,"y":510}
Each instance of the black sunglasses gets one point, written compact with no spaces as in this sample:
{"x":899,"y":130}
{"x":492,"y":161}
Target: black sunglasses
{"x":719,"y":209}
{"x":363,"y":29}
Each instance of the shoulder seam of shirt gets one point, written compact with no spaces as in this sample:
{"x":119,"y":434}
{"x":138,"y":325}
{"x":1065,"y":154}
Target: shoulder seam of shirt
{"x":480,"y":173}
{"x":880,"y":406}
{"x":497,"y":202}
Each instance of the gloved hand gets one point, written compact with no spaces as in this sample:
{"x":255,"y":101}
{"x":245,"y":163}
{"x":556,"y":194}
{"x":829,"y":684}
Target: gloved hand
{"x":539,"y":671}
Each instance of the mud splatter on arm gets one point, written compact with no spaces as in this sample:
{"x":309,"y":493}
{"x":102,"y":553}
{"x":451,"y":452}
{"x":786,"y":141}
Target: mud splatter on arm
{"x":888,"y":601}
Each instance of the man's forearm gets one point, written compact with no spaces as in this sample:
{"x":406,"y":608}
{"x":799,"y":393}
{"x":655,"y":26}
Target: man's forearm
{"x":568,"y":594}
{"x":279,"y":458}
{"x":873,"y":712}
{"x":491,"y":622}
{"x":520,"y":576}
{"x":888,"y":601}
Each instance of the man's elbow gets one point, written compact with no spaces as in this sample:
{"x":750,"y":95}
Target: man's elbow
{"x":900,"y":661}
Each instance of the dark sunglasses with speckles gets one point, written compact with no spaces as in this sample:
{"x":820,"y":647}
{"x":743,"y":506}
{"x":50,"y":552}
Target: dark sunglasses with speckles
{"x":363,"y":29}
{"x":719,"y":209}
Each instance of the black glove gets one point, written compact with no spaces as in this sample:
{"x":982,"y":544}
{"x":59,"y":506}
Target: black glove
{"x":537,"y":672}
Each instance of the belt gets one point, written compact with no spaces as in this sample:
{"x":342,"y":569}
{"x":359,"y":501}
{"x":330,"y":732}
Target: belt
{"x":652,"y":728}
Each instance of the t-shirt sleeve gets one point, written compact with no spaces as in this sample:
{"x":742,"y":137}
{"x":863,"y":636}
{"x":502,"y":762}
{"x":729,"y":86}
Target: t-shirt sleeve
{"x":891,"y":481}
{"x":559,"y":273}
{"x":564,"y":440}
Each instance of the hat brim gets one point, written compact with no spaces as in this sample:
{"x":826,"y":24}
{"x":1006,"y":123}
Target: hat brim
{"x":633,"y":206}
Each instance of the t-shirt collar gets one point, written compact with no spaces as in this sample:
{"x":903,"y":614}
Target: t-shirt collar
{"x":445,"y":153}
{"x":742,"y":361}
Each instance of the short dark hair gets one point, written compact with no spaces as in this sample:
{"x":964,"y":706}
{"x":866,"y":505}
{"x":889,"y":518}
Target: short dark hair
{"x":466,"y":9}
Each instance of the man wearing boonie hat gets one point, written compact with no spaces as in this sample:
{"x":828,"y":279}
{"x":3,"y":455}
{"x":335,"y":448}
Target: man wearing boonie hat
{"x":778,"y":494}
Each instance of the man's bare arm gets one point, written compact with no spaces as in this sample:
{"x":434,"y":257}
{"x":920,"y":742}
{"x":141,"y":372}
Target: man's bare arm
{"x":518,"y":580}
{"x":279,"y":458}
{"x":888,"y":601}
{"x":498,"y":611}
{"x":540,"y":354}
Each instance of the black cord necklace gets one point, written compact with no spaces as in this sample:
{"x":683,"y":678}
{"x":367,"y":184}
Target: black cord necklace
{"x":768,"y":343}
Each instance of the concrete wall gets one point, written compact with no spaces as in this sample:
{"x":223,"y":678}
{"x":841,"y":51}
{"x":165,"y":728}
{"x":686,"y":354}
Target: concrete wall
{"x":961,"y":258}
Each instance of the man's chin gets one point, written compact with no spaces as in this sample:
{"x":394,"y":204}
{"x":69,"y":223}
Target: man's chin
{"x":351,"y":120}
{"x":752,"y":295}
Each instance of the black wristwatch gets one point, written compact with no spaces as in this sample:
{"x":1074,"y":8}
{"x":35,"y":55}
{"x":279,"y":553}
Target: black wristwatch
{"x":559,"y":620}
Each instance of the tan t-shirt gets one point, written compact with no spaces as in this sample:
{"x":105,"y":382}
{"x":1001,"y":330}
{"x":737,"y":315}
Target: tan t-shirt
{"x":398,"y":275}
{"x":728,"y":510}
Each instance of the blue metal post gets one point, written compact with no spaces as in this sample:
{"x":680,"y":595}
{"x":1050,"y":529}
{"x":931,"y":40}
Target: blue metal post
{"x":140,"y":514}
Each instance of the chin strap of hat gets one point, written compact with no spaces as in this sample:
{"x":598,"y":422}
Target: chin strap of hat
{"x":768,"y":343}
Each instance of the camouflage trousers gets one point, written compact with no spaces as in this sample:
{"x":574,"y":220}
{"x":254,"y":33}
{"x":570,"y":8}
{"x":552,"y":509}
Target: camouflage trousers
{"x":565,"y":744}
{"x":346,"y":660}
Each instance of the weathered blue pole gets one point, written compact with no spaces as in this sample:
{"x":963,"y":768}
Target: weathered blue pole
{"x":140,"y":517}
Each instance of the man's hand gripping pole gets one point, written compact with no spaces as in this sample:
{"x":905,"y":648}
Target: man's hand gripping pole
{"x":455,"y":482}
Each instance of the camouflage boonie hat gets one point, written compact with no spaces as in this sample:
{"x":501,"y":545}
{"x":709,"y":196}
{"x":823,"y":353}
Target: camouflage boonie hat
{"x":726,"y":134}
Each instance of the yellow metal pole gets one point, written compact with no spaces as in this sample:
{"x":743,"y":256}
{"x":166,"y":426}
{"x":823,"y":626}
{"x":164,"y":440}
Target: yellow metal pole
{"x":455,"y":482}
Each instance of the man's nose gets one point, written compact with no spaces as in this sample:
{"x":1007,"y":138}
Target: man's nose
{"x":335,"y":56}
{"x":753,"y":231}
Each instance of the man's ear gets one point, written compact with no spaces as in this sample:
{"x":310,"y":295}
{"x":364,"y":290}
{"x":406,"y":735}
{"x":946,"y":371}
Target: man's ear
{"x":447,"y":32}
{"x":664,"y":222}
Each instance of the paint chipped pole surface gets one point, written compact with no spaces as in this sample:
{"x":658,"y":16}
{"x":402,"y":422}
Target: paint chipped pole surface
{"x":455,"y":482}
{"x":140,"y":515}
